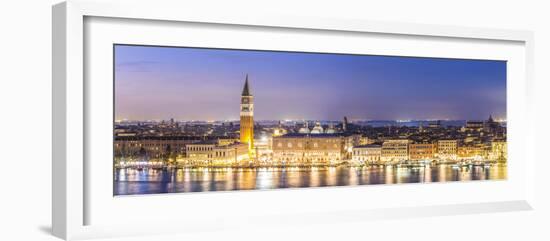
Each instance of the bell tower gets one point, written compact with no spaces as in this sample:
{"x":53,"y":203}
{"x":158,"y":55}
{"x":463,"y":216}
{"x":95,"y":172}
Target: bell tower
{"x":247,"y":117}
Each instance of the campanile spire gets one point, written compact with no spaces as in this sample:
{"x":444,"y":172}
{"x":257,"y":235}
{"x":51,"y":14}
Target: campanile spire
{"x":247,"y":117}
{"x":246,"y":89}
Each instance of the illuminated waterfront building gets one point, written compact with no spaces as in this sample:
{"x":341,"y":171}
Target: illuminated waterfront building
{"x":366,"y":154}
{"x":471,"y":152}
{"x":422,"y":151}
{"x":213,"y":154}
{"x":146,"y":148}
{"x":311,"y":149}
{"x":447,"y":149}
{"x":395,"y":151}
{"x":160,"y":147}
{"x":499,"y":150}
{"x":262,"y":147}
{"x":247,"y":117}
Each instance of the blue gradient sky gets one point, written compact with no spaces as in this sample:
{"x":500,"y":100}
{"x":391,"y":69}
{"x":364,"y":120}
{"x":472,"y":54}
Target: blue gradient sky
{"x":205,"y":84}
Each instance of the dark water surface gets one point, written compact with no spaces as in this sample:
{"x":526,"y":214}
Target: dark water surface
{"x":147,"y":181}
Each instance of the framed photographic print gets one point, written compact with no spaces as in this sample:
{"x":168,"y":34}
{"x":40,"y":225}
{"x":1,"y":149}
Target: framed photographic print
{"x":192,"y":120}
{"x":262,"y":118}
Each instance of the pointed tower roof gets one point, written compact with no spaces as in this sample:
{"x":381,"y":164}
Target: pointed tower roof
{"x":246,"y":91}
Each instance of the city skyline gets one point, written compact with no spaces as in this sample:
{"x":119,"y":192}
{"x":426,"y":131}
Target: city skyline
{"x":160,"y":83}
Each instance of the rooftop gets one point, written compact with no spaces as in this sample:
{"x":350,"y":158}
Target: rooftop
{"x":368,"y":146}
{"x":320,"y":135}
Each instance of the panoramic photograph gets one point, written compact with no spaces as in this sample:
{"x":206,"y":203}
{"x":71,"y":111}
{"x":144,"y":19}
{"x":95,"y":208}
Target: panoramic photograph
{"x":190,"y":120}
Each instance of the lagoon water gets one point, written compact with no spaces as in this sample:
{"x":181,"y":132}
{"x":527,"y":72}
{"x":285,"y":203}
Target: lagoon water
{"x":148,"y":181}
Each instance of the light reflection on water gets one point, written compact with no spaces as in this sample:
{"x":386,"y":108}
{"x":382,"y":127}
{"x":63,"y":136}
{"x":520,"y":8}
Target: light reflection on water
{"x":134,"y":181}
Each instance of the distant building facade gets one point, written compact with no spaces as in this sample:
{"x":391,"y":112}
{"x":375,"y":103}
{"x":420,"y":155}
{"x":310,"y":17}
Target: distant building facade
{"x":475,"y":125}
{"x":434,"y":124}
{"x":499,"y":151}
{"x":422,"y":151}
{"x":395,"y":151}
{"x":162,"y":147}
{"x":471,"y":152}
{"x":447,"y":149}
{"x":131,"y":147}
{"x":310,"y":149}
{"x":366,"y":154}
{"x":214,"y":154}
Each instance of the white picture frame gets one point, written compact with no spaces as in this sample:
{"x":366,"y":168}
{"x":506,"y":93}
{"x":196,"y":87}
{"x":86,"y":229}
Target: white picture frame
{"x":72,"y":191}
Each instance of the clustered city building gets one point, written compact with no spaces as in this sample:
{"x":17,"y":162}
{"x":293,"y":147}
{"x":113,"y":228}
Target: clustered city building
{"x":304,"y":143}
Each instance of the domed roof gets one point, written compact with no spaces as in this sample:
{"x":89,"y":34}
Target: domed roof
{"x":330,"y":129}
{"x":304,"y":129}
{"x":318,"y":129}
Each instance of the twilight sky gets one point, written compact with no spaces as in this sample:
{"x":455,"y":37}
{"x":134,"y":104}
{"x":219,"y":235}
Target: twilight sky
{"x":205,"y":84}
